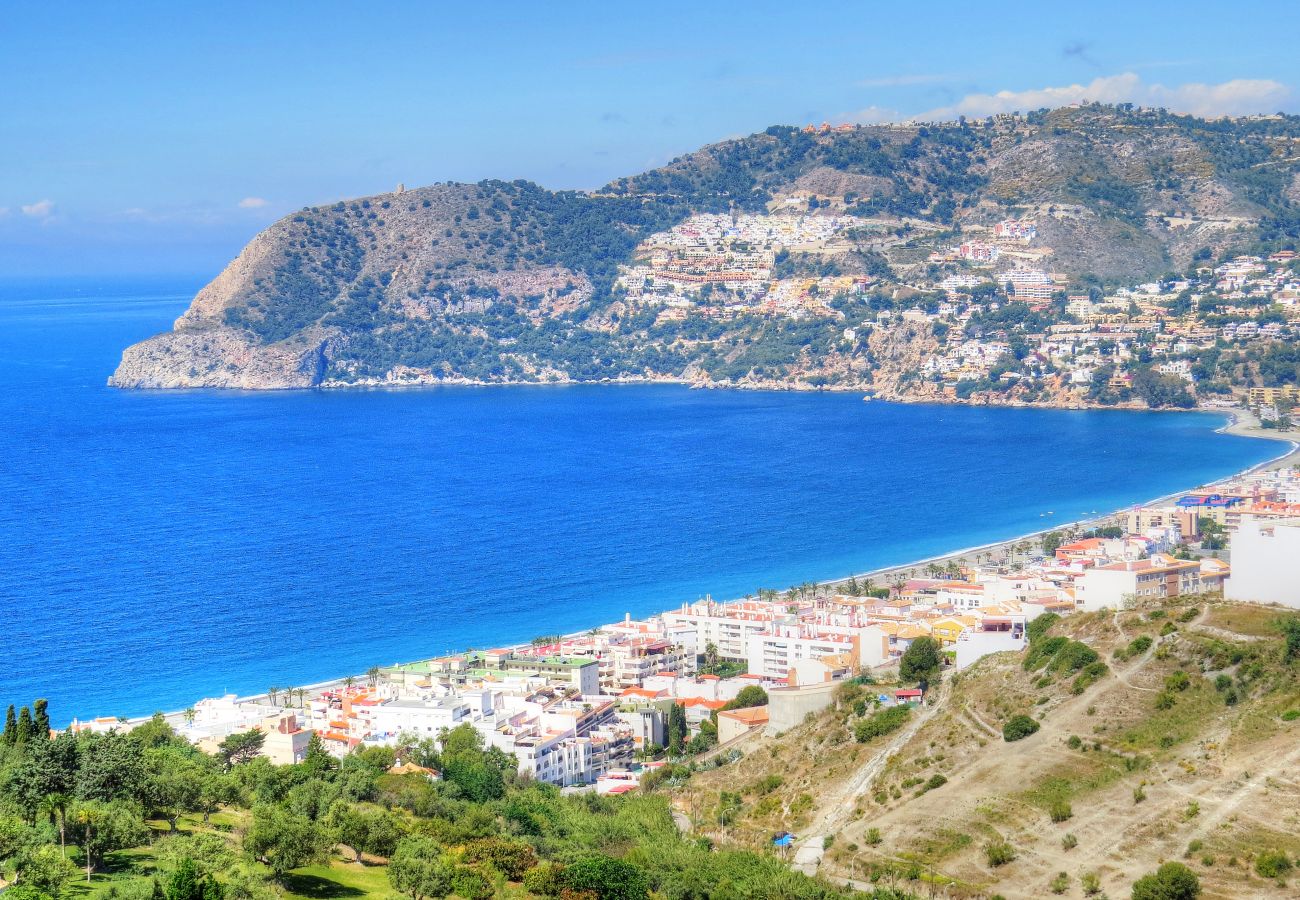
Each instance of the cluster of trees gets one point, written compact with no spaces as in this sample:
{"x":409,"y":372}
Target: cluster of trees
{"x":26,"y":725}
{"x":82,"y":798}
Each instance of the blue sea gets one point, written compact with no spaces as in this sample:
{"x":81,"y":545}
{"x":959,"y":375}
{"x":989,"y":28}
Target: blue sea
{"x":159,"y":547}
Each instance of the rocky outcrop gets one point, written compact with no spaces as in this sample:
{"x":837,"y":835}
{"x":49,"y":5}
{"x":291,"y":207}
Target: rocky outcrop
{"x":223,"y":358}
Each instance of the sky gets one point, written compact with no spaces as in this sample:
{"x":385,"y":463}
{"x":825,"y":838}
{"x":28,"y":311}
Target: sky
{"x":143,"y":138}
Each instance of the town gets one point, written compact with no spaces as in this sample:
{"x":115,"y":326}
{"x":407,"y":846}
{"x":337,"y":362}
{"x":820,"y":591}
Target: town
{"x":597,"y":709}
{"x":1006,"y":329}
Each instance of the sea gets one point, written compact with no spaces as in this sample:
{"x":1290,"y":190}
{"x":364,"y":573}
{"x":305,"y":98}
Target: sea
{"x":159,"y":547}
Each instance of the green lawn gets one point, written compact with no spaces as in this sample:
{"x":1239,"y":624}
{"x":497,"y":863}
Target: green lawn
{"x":337,"y":880}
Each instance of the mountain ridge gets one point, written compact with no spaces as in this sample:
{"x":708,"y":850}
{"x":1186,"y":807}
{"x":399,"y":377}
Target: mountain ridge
{"x":501,"y":282}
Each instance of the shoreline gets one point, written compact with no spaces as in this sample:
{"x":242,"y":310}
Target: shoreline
{"x":1240,"y":422}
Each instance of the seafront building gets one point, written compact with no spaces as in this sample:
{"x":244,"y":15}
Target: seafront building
{"x":581,"y":709}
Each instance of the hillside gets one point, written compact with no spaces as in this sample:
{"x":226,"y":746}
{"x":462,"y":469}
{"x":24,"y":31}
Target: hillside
{"x":1184,"y":747}
{"x":507,"y":282}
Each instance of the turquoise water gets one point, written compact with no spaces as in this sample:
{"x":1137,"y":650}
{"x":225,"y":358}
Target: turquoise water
{"x":159,"y":547}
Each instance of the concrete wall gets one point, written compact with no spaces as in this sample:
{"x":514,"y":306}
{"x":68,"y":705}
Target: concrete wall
{"x":1265,"y":564}
{"x":787,"y":707}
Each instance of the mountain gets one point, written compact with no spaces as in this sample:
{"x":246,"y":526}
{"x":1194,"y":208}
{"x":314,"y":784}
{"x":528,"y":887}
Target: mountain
{"x":507,"y":281}
{"x":1166,"y":732}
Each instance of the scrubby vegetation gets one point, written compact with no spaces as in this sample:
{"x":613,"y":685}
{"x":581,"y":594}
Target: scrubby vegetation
{"x":146,"y":815}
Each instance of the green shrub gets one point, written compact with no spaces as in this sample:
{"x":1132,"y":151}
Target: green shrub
{"x":1172,"y":881}
{"x":873,"y":837}
{"x":880,"y":723}
{"x":1069,"y":842}
{"x":1018,"y":728}
{"x":1178,"y":681}
{"x":1060,"y":884}
{"x":936,"y":781}
{"x":1165,"y":700}
{"x":1091,"y":883}
{"x":999,"y":853}
{"x":1092,"y":673}
{"x":1291,"y":715}
{"x":1074,"y":742}
{"x":1272,"y":864}
{"x":1139,"y":645}
{"x":1060,"y":810}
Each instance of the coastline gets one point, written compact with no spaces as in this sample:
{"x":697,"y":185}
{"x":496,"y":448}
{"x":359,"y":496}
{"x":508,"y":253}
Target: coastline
{"x":1239,"y":422}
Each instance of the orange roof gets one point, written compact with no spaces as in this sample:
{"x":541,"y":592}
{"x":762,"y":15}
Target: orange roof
{"x":751,"y":716}
{"x":642,"y":692}
{"x":700,"y":701}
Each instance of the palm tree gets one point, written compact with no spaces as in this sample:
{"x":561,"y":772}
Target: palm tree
{"x":301,"y":693}
{"x":372,"y":675}
{"x":56,"y":805}
{"x":711,"y":657}
{"x":189,"y":715}
{"x":348,"y":682}
{"x":271,"y":694}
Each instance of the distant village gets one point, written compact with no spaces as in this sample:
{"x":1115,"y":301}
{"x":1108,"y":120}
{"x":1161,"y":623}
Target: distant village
{"x":594,"y":710}
{"x":1084,"y":347}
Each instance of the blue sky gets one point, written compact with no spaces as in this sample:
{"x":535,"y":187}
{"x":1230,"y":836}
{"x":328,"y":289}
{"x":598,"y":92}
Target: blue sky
{"x":159,"y":137}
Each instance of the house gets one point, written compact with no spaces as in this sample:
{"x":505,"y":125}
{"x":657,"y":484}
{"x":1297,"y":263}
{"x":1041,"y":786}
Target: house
{"x":1264,"y":562}
{"x":994,"y":634}
{"x":734,"y":723}
{"x":1159,"y":578}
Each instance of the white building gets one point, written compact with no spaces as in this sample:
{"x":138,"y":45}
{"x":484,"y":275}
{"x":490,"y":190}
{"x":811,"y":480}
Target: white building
{"x":1266,"y":562}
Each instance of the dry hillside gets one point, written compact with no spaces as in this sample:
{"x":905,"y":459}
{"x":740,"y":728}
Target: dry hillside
{"x":1179,"y":750}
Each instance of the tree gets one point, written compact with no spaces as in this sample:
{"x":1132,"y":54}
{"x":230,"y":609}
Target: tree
{"x":1172,"y":881}
{"x":608,"y":878}
{"x":100,"y":827}
{"x":46,"y":869}
{"x":677,"y":728}
{"x":112,"y":768}
{"x":26,"y":730}
{"x":11,"y":727}
{"x":41,"y":717}
{"x":711,"y":658}
{"x":176,"y":780}
{"x":210,"y":853}
{"x":418,"y":870}
{"x":749,"y":696}
{"x":241,"y":747}
{"x":216,"y":788}
{"x":509,"y":857}
{"x":921,"y":661}
{"x":285,"y":841}
{"x":364,"y":831}
{"x":1290,"y":628}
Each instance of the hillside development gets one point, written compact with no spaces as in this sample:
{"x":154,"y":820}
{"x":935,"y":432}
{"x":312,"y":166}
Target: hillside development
{"x":1165,"y":732}
{"x":1094,"y":255}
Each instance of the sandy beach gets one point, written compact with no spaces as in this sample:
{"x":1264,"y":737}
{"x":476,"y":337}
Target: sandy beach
{"x":1241,"y":422}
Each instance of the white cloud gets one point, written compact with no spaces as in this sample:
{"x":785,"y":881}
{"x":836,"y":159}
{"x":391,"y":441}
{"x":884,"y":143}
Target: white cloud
{"x":41,"y":209}
{"x":1240,"y":96}
{"x":4,"y":211}
{"x":252,"y":203}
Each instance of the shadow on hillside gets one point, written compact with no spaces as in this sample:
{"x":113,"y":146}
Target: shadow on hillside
{"x":315,"y":886}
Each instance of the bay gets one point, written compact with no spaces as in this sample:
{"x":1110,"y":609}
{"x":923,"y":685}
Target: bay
{"x":158,"y":547}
